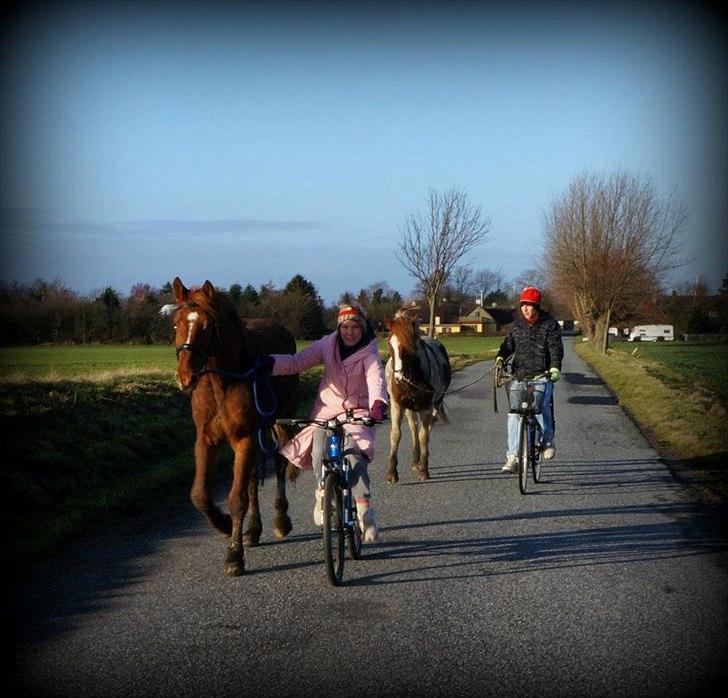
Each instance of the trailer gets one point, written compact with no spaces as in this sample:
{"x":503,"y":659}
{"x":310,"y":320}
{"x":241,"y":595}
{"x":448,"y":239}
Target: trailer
{"x":652,"y":333}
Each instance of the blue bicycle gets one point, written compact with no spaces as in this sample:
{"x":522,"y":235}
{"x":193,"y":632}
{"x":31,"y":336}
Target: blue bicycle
{"x":340,"y":520}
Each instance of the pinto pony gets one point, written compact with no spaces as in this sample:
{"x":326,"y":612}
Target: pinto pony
{"x":418,"y":375}
{"x":233,"y":399}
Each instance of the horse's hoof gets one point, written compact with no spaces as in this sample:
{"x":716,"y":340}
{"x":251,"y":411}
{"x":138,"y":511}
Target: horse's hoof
{"x":234,"y":569}
{"x":251,"y":539}
{"x":392,"y":478}
{"x":423,"y":475}
{"x":234,"y":564}
{"x":282,"y":528}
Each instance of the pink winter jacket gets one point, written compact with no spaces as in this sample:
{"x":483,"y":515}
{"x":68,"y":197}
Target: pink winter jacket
{"x":355,"y":383}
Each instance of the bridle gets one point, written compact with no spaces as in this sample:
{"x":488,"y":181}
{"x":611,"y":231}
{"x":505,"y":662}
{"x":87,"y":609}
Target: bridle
{"x":259,"y":379}
{"x":193,"y":348}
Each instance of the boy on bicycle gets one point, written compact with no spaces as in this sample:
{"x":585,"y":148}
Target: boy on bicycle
{"x":534,"y":340}
{"x":353,"y":378}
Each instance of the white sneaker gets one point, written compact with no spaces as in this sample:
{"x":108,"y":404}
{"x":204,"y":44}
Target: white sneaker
{"x":318,"y":509}
{"x":549,"y":451}
{"x":511,"y":464}
{"x":368,"y":524}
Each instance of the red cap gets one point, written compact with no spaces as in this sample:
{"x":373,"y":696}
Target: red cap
{"x":531,"y":295}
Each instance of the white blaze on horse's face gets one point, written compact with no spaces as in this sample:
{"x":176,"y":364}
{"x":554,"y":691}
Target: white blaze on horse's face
{"x":192,"y":318}
{"x":396,"y":358}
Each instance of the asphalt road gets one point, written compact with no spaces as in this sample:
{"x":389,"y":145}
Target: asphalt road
{"x":605,"y":580}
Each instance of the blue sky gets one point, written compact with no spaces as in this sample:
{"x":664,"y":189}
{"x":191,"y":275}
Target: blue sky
{"x":250,"y":142}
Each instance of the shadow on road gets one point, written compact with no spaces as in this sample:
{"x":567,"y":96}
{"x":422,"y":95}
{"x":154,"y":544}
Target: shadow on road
{"x":581,"y":379}
{"x":427,"y":558}
{"x":592,"y":400}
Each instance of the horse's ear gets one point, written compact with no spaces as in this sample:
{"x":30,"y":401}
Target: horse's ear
{"x":208,"y":289}
{"x":179,"y":290}
{"x":387,"y":323}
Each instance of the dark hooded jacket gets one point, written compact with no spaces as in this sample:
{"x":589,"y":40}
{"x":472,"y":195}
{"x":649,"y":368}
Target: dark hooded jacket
{"x":536,"y":348}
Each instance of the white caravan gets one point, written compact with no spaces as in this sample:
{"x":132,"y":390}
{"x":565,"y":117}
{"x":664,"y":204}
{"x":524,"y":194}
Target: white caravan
{"x":651,"y":333}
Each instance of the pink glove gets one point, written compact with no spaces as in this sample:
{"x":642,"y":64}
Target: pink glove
{"x":378,"y":411}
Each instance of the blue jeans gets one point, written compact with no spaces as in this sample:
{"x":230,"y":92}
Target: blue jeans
{"x":545,"y":419}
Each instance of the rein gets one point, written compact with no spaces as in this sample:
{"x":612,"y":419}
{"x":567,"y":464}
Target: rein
{"x":260,"y":381}
{"x":398,"y":375}
{"x":258,"y":377}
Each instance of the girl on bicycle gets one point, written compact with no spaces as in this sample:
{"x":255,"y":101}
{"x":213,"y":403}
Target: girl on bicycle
{"x":534,"y":340}
{"x":353,"y":378}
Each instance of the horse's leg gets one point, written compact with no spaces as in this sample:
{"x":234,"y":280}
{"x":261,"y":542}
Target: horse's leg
{"x":243,"y":469}
{"x":282,"y":525}
{"x":201,"y":492}
{"x":426,"y":424}
{"x":395,"y":435}
{"x":413,"y":422}
{"x":251,"y":537}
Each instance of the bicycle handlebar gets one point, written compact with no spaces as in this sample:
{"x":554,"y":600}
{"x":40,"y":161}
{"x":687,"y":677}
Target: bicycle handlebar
{"x":332,"y":423}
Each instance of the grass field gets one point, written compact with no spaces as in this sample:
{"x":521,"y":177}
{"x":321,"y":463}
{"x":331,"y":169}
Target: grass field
{"x":60,"y":362}
{"x":707,"y":364}
{"x":84,"y":360}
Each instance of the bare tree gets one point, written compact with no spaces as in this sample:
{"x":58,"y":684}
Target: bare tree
{"x":609,"y":241}
{"x":433,"y":243}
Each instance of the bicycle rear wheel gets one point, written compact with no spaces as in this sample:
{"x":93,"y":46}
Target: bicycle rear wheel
{"x":333,"y":530}
{"x":523,"y":456}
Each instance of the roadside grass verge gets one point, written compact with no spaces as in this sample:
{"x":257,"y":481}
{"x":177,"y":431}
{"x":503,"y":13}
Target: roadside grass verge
{"x":685,"y":420}
{"x":78,"y":451}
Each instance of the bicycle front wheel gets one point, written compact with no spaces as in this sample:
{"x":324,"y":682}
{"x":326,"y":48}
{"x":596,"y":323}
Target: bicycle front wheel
{"x":536,"y":458}
{"x":523,"y":455}
{"x":353,"y":536}
{"x":333,"y":526}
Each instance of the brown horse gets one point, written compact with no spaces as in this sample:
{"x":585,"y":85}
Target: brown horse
{"x":218,"y":362}
{"x":418,"y":375}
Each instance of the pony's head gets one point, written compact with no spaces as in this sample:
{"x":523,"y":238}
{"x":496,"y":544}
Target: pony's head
{"x":404,"y":330}
{"x":195,"y":331}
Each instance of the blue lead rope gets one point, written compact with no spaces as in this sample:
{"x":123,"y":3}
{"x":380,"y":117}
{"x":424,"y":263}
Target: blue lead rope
{"x":265,"y":422}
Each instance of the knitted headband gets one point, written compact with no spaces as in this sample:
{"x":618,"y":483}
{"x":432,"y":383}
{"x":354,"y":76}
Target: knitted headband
{"x":351,"y":313}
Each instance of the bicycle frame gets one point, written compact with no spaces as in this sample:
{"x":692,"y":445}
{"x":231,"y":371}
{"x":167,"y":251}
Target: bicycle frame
{"x":335,"y":461}
{"x":339,"y":506}
{"x":529,"y":431}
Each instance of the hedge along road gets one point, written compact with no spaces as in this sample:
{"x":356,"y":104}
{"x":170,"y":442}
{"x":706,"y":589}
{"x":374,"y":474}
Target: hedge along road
{"x":606,"y":579}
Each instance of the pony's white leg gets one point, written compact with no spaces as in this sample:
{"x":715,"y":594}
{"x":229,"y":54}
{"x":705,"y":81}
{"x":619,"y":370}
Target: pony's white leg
{"x":414,"y":428}
{"x":394,"y":436}
{"x":426,"y":423}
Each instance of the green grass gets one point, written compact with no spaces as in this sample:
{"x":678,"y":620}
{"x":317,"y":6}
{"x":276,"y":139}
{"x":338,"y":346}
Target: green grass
{"x":60,"y":362}
{"x":707,"y":364}
{"x":78,"y":361}
{"x":76,"y":451}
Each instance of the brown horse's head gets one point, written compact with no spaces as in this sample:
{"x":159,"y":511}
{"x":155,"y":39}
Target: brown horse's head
{"x":195,"y":329}
{"x":404,"y":330}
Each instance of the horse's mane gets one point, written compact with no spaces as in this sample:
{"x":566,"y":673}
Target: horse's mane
{"x":220,"y":307}
{"x":404,"y":327}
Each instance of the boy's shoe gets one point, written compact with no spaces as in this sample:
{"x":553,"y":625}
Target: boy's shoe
{"x":368,"y":524}
{"x":318,"y":509}
{"x":511,"y":464}
{"x":548,"y":451}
